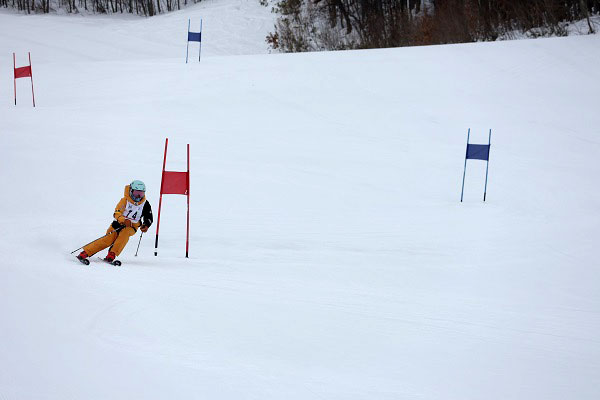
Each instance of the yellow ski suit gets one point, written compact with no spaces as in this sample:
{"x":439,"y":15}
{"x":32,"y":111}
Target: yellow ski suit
{"x":117,"y":240}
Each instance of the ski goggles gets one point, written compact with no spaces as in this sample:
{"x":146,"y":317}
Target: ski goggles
{"x":138,"y":194}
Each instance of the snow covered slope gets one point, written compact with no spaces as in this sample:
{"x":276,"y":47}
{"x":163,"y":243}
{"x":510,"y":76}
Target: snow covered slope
{"x":229,"y":27}
{"x":330,"y":255}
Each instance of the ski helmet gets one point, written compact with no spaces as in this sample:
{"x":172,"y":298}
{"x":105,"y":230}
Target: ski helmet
{"x":137,"y":190}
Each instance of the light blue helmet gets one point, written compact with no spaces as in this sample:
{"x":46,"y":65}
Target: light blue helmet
{"x":135,"y":188}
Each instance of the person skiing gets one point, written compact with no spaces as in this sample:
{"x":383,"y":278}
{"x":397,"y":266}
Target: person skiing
{"x":132,"y":212}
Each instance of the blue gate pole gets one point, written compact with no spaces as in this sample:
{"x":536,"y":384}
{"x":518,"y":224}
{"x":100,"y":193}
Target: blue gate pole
{"x":188,"y":43}
{"x":200,"y":50}
{"x":465,"y":170}
{"x":488,"y":164}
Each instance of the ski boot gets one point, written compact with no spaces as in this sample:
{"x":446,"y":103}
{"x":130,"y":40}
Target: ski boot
{"x":110,"y":258}
{"x":83,"y":258}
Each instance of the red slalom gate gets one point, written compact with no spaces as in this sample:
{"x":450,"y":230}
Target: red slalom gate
{"x":175,"y":182}
{"x":23,"y":72}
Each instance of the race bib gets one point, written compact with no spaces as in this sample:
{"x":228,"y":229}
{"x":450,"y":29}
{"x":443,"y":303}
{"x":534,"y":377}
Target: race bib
{"x":133,"y":212}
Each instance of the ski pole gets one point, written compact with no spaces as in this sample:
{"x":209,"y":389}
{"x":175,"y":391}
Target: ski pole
{"x":139,"y":244}
{"x":110,"y":233}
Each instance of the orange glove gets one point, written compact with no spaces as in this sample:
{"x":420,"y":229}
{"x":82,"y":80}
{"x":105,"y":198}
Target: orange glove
{"x":143,"y":228}
{"x":128,"y":223}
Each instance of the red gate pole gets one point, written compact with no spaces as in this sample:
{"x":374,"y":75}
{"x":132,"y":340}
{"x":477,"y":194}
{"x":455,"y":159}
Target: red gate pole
{"x":14,"y":77}
{"x":31,"y":76}
{"x":162,"y":179}
{"x":187,"y":237}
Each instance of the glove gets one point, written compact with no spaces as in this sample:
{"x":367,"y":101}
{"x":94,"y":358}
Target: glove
{"x":128,"y":223}
{"x":143,"y":228}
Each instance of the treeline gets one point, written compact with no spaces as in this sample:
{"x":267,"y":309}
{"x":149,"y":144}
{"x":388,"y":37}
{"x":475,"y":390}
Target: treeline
{"x":140,"y":7}
{"x":310,"y":25}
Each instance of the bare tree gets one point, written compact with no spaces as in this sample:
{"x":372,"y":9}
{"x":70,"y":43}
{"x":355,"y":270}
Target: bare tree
{"x":141,"y":7}
{"x":308,"y":25}
{"x":584,"y":10}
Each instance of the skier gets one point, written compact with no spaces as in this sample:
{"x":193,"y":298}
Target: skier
{"x":132,"y":212}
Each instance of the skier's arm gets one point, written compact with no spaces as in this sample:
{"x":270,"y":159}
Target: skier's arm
{"x":118,"y":215}
{"x":147,"y":217}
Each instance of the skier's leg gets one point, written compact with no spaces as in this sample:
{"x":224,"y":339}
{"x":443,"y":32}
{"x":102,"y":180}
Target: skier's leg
{"x":122,"y":240}
{"x":101,"y":243}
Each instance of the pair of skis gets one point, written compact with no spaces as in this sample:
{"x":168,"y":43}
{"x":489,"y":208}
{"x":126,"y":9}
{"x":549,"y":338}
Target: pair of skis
{"x":86,"y":261}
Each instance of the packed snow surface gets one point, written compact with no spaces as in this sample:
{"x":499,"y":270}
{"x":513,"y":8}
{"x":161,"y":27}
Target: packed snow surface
{"x":330,"y":256}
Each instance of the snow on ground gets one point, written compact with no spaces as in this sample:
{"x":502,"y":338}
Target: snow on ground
{"x":330,"y":255}
{"x":229,"y":27}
